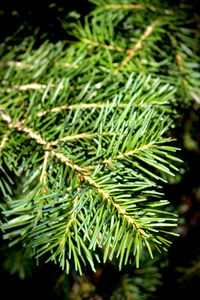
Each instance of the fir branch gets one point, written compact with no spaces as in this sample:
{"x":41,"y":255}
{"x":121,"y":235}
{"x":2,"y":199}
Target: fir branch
{"x":104,"y":134}
{"x":121,"y":210}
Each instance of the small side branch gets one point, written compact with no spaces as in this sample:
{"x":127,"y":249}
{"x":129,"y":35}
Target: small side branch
{"x":82,"y":136}
{"x":66,"y":161}
{"x":179,"y":61}
{"x":181,"y":70}
{"x":120,"y":210}
{"x":122,"y":156}
{"x":29,"y":132}
{"x":130,"y":153}
{"x":43,"y":176}
{"x":138,"y":45}
{"x":5,"y":117}
{"x":75,"y":106}
{"x":124,"y":6}
{"x":189,"y":271}
{"x":30,"y":86}
{"x":137,"y":6}
{"x":62,"y":243}
{"x":18,"y":64}
{"x":23,"y":65}
{"x":48,"y":147}
{"x":65,"y":64}
{"x":3,"y":142}
{"x":110,"y":47}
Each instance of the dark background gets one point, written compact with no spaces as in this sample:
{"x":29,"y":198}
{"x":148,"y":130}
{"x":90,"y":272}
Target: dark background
{"x":45,"y":14}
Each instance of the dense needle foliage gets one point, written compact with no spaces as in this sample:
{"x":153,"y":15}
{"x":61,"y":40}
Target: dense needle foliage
{"x":85,"y":133}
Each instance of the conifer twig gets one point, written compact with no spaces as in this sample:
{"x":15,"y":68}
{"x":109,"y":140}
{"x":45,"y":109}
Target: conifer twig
{"x":44,"y":173}
{"x":120,"y":210}
{"x":30,"y":86}
{"x":29,"y":132}
{"x":5,"y":117}
{"x":65,"y":64}
{"x":18,"y":64}
{"x":69,"y":163}
{"x":82,"y":136}
{"x":3,"y":141}
{"x":122,"y":156}
{"x":62,"y":243}
{"x":137,"y":6}
{"x":110,"y":47}
{"x":81,"y":105}
{"x":138,"y":45}
{"x":124,"y":6}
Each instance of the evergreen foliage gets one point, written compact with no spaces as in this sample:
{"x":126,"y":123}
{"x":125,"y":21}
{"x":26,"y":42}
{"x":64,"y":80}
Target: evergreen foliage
{"x":85,"y":132}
